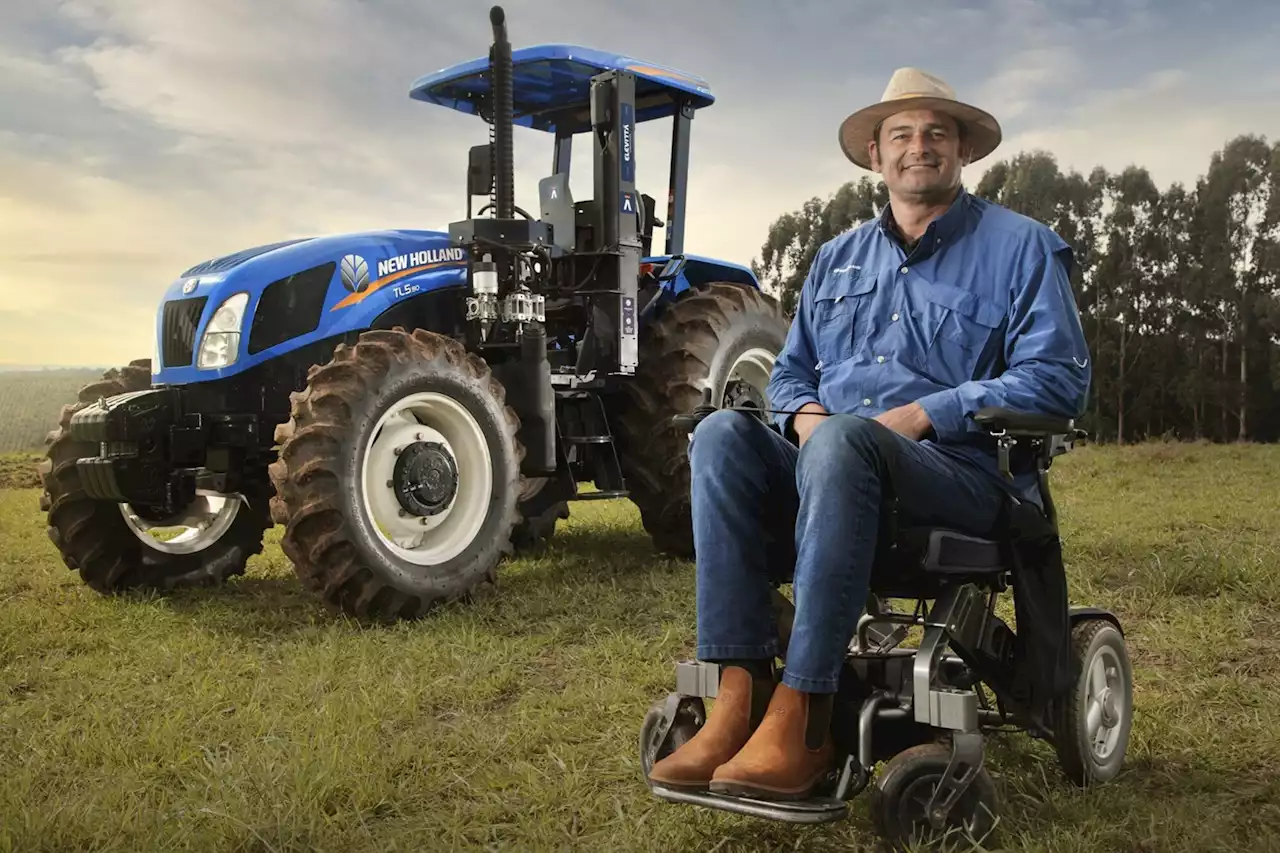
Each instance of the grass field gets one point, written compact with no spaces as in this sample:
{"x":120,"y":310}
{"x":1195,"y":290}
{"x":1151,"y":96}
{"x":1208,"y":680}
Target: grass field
{"x":248,"y":719}
{"x":30,"y":401}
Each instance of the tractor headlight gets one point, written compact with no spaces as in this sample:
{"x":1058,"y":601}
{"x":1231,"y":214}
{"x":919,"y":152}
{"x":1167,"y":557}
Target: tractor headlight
{"x":221,"y":341}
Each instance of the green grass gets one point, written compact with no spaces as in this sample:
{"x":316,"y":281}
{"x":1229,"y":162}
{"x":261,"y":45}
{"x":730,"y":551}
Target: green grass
{"x":249,"y":719}
{"x":18,"y":470}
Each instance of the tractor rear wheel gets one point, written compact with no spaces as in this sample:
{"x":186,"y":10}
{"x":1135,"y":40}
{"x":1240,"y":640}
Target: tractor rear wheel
{"x":398,"y":476}
{"x":724,"y":334}
{"x":112,"y":545}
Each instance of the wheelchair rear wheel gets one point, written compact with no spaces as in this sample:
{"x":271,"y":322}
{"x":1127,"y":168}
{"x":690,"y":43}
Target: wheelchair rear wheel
{"x":1093,"y":722}
{"x":900,"y":798}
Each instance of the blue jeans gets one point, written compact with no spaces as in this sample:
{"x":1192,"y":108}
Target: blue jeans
{"x":764,"y":510}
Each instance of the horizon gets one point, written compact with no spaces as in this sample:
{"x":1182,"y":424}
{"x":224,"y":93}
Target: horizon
{"x":141,"y":140}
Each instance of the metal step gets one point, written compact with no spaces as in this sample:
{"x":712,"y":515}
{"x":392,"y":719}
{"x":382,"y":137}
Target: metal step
{"x":601,"y":495}
{"x":817,"y":810}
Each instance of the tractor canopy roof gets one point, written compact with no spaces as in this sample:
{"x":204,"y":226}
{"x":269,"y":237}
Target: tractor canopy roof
{"x":551,"y":86}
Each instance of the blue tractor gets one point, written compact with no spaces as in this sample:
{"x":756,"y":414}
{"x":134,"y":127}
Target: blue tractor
{"x":415,"y":405}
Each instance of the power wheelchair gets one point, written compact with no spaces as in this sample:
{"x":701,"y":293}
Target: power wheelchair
{"x":924,"y":711}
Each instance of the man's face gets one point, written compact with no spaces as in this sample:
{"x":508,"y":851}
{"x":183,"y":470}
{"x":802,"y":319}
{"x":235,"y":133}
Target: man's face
{"x":919,"y":154}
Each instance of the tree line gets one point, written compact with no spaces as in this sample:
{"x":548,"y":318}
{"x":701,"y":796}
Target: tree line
{"x":1178,"y":290}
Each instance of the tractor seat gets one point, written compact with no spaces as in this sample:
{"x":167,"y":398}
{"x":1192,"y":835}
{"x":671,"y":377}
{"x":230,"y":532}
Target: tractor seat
{"x":573,"y":222}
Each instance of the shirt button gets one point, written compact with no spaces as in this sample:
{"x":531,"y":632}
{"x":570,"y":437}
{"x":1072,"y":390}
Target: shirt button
{"x":866,"y":401}
{"x":903,"y":270}
{"x":895,"y":318}
{"x":880,"y":359}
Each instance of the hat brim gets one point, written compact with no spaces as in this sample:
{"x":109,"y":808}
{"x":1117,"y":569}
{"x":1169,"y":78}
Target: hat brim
{"x":857,"y":131}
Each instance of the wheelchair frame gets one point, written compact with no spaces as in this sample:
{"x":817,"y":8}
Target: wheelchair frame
{"x":930,"y":693}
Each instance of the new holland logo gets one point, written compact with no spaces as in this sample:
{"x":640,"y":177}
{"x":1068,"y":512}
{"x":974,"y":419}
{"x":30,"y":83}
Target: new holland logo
{"x":419,"y":259}
{"x":355,"y":273}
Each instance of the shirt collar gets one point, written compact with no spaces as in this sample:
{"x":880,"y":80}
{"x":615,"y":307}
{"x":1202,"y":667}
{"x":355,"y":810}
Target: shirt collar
{"x":942,"y":228}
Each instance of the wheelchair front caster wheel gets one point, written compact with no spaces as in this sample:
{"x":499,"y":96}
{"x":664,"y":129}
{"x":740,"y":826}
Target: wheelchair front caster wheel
{"x":1092,"y":723}
{"x":900,"y":798}
{"x":668,"y":726}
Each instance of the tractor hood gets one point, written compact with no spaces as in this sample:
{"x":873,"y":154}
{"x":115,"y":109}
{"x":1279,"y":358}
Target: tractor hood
{"x":226,"y":315}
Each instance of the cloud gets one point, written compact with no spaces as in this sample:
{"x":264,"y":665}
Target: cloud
{"x":142,"y":137}
{"x":1170,"y":121}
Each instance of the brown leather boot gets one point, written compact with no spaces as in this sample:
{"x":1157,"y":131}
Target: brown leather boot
{"x":777,"y":763}
{"x":728,"y":726}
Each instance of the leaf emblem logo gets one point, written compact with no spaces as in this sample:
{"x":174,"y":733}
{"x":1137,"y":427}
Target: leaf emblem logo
{"x":355,"y":273}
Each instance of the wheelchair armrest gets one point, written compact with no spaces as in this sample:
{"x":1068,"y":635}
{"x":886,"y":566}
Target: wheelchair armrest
{"x":999,"y":420}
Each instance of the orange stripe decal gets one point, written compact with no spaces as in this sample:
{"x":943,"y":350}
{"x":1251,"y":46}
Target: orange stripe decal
{"x":662,"y":72}
{"x":354,"y":298}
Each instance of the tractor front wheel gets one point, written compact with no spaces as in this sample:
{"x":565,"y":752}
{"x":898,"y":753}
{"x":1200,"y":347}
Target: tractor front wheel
{"x":398,"y":477}
{"x":115,"y":547}
{"x":722,"y":335}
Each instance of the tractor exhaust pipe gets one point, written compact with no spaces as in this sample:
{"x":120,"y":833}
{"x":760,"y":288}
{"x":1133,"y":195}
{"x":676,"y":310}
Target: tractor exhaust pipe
{"x":503,"y":151}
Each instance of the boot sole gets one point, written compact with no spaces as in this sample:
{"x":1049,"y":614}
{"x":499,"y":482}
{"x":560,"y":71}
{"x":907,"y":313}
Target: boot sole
{"x":763,"y":792}
{"x":683,"y":787}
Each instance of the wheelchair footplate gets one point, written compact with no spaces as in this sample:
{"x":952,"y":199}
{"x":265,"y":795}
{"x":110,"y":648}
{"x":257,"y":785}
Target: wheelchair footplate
{"x":817,"y":809}
{"x":683,"y":709}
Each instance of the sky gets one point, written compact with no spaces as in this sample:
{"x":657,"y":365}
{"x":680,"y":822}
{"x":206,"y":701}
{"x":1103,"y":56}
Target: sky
{"x":138,"y":138}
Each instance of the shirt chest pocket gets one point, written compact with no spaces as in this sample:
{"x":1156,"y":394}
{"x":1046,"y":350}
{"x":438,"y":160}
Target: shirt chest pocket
{"x":841,"y":311}
{"x":957,"y":325}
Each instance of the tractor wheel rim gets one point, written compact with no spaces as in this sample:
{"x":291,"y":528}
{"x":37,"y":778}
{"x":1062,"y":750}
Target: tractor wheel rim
{"x":439,"y":420}
{"x":1104,"y":704}
{"x":201,"y":523}
{"x":753,"y":370}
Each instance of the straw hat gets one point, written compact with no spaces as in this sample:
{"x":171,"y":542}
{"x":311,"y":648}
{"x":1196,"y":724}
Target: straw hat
{"x":913,"y":89}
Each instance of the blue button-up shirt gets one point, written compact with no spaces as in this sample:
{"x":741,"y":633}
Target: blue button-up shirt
{"x":979,"y":313}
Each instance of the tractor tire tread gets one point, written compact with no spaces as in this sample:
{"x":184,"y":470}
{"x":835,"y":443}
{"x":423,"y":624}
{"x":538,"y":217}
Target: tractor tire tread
{"x":676,"y":355}
{"x":93,"y":538}
{"x":307,"y":474}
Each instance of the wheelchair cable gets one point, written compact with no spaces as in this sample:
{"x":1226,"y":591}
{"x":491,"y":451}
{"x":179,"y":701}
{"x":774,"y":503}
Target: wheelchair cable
{"x":705,"y":408}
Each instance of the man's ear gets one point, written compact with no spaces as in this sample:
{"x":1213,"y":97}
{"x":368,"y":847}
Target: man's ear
{"x":874,"y":153}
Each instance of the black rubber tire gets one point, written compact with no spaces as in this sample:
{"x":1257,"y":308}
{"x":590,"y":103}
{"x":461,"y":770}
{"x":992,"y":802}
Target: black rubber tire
{"x":1070,"y":735}
{"x":539,"y":514}
{"x":915,"y":772}
{"x":698,"y":337}
{"x":93,"y":537}
{"x":690,"y":717}
{"x":319,"y":497}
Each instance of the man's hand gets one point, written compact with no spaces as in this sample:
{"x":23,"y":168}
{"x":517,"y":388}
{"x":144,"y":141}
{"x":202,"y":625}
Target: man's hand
{"x":809,"y":416}
{"x":909,"y":420}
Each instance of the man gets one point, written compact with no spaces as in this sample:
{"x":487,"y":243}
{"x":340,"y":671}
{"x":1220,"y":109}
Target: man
{"x":905,"y":326}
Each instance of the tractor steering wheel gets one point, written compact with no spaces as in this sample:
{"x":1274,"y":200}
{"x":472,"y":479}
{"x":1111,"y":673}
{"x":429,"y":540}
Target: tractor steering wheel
{"x":514,"y":207}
